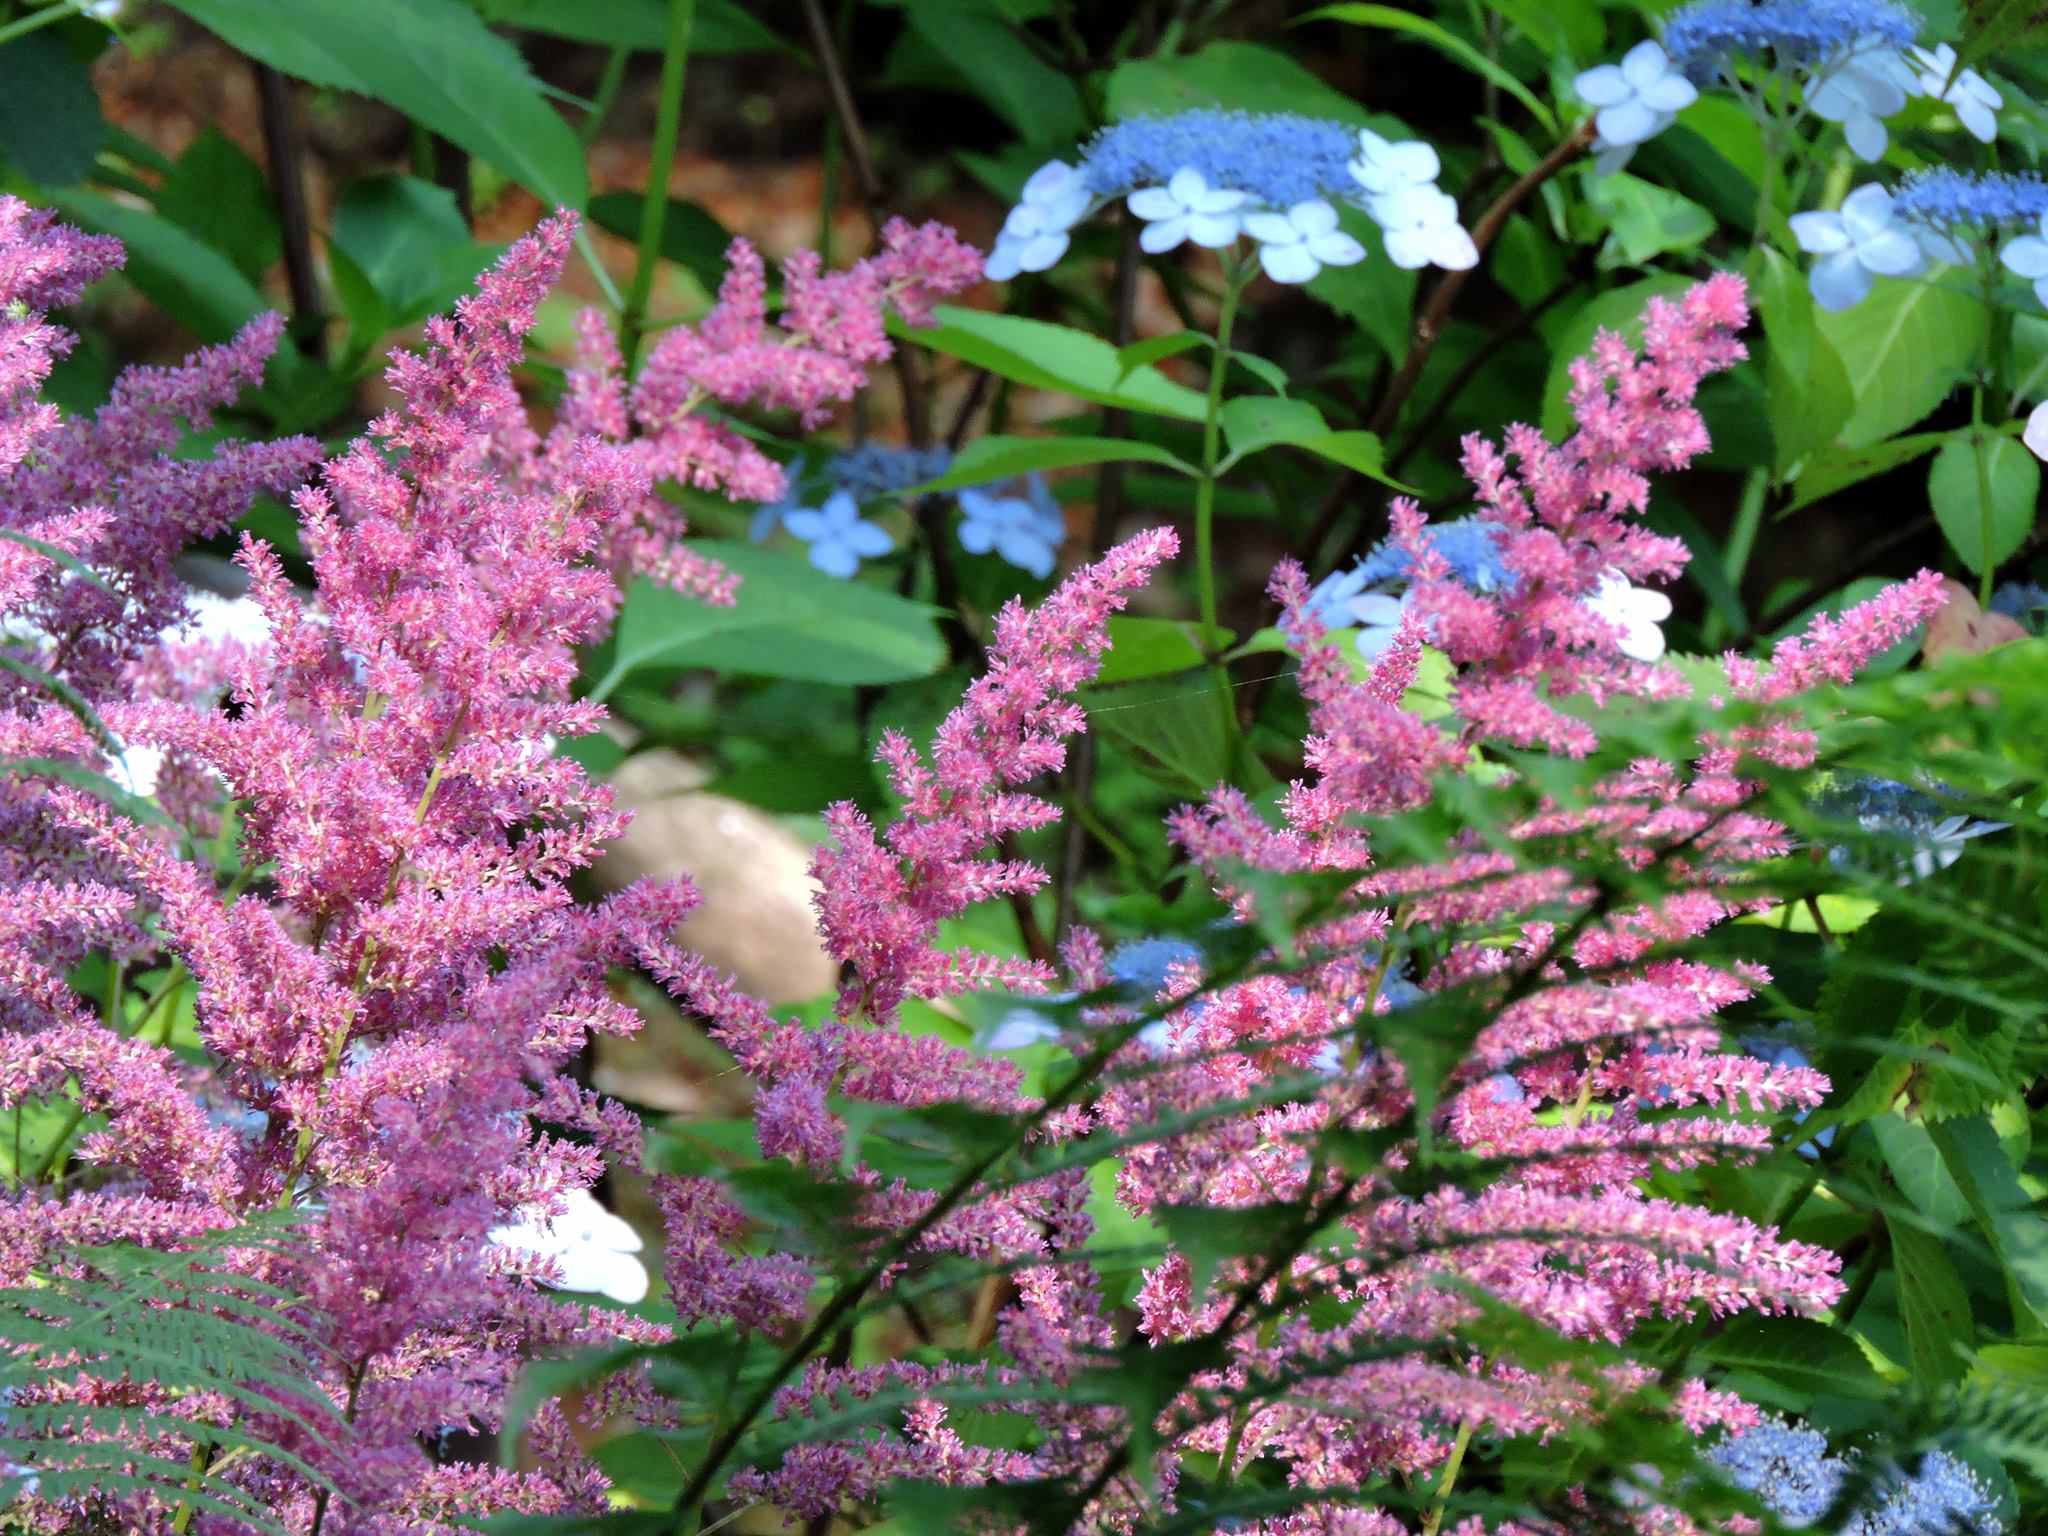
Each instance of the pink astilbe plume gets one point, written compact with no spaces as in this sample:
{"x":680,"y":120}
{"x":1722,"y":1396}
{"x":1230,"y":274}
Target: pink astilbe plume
{"x":1598,"y":1061}
{"x":833,"y":331}
{"x":43,"y":265}
{"x":389,"y":1012}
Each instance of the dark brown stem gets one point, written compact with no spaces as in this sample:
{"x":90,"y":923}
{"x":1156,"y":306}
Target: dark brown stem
{"x":1485,"y":353}
{"x":451,"y":171}
{"x":1429,"y":325}
{"x":287,"y":154}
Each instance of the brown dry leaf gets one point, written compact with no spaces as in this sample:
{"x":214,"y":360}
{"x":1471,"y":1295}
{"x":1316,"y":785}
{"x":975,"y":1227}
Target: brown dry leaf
{"x":1963,"y":628}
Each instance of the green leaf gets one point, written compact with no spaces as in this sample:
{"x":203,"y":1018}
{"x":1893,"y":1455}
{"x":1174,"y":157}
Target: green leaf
{"x":999,"y":458}
{"x":1932,"y":1305}
{"x":405,"y":238}
{"x":1153,"y":648}
{"x":218,"y":194}
{"x":2001,"y":1205}
{"x":1835,"y":469}
{"x":192,"y":282}
{"x":1155,"y":348}
{"x":50,"y":123}
{"x":1246,"y":76}
{"x":1793,"y":1359}
{"x":93,"y":782}
{"x":1904,"y":347}
{"x":1054,"y":357}
{"x":1253,"y":422}
{"x":720,"y":26}
{"x":789,"y":621}
{"x":1645,"y":220}
{"x":1917,"y":1168}
{"x":1036,"y":99}
{"x":433,"y":60}
{"x":1444,"y":42}
{"x":1572,"y":28}
{"x":1957,"y":487}
{"x":690,"y":237}
{"x":1809,"y":388}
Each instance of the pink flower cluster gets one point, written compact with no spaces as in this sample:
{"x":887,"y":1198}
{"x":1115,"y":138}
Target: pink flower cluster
{"x":834,"y":329}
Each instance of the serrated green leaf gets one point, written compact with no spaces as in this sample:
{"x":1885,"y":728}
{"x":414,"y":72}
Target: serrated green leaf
{"x":988,"y":459}
{"x":1903,"y":348}
{"x":1053,"y":357}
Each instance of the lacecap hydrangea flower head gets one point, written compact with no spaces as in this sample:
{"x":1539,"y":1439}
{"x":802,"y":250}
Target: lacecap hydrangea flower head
{"x":1211,"y":178}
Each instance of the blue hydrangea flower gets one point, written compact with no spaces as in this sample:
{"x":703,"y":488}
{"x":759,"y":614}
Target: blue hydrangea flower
{"x":1469,"y":545}
{"x":1924,"y":834}
{"x":877,"y":469}
{"x":1277,"y":158}
{"x":1701,"y":35}
{"x":2026,"y":601}
{"x":1786,"y":1466}
{"x":1949,"y":200}
{"x":1861,"y":242}
{"x":840,"y":538}
{"x":1024,"y":1023}
{"x":1019,"y":521}
{"x":1943,"y":1498}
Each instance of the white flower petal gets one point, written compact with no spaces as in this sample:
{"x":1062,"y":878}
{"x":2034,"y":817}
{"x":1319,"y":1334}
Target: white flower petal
{"x":1839,"y":282}
{"x":1044,"y":251}
{"x":1895,"y":253}
{"x":1212,"y":229}
{"x":1153,"y":203}
{"x":1604,"y":85}
{"x":1672,"y":93}
{"x":1866,"y":211}
{"x":1312,"y":217}
{"x":1336,"y":250}
{"x":1627,"y":122}
{"x":1163,"y":234}
{"x":2036,"y":435}
{"x":1188,"y":186}
{"x":1866,"y":135}
{"x":1413,"y":160}
{"x":1645,"y":64}
{"x":2026,"y":256}
{"x":1452,"y":249}
{"x":1289,"y":263}
{"x":1820,"y":231}
{"x":1270,"y":227}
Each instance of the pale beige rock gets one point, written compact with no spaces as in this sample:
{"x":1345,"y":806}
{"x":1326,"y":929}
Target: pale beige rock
{"x":756,"y":921}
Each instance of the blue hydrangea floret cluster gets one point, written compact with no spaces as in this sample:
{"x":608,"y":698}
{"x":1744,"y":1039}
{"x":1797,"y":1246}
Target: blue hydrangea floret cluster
{"x":1212,"y":178}
{"x":1789,"y":1468}
{"x":1942,"y":197}
{"x":1701,"y":35}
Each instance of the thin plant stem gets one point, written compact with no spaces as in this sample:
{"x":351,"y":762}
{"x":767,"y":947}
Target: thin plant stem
{"x":1234,"y":279}
{"x":668,"y":118}
{"x":607,"y":92}
{"x":36,"y":20}
{"x":1432,"y":1521}
{"x":1981,"y":453}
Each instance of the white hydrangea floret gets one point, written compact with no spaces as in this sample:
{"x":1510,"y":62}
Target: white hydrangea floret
{"x":1038,"y":230}
{"x":1294,"y":246}
{"x":1638,"y":612}
{"x":1858,"y":244}
{"x":1187,"y":208}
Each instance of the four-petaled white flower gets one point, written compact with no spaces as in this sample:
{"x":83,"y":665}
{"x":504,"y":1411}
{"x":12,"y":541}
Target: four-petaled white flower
{"x":1386,"y":169}
{"x":1974,"y":100}
{"x":840,"y":538}
{"x":593,"y":1250}
{"x":1856,"y":245}
{"x":2027,"y":256}
{"x":1294,"y":246}
{"x":1638,"y":612}
{"x":1036,"y":233}
{"x":1423,"y":230}
{"x":1634,"y":101}
{"x":1187,"y":208}
{"x":1859,"y":89}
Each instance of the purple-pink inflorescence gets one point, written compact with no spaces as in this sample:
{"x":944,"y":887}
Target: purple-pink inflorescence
{"x":389,"y":1008}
